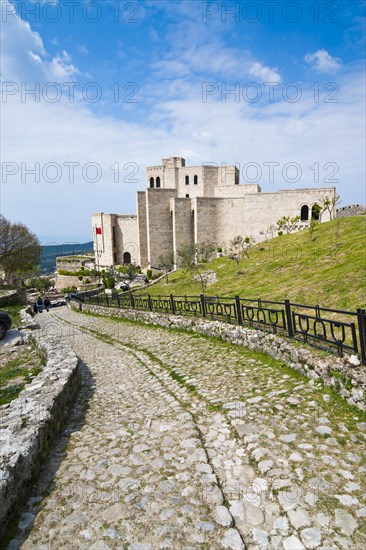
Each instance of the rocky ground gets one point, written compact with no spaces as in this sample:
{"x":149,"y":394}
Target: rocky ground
{"x":184,"y":442}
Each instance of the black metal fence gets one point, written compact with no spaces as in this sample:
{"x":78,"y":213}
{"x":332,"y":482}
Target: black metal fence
{"x":325,"y":328}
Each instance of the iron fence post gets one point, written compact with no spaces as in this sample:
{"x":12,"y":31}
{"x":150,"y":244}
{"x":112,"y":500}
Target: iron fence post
{"x":149,"y":302}
{"x":203,"y":305}
{"x":132,"y":300}
{"x":289,"y":319}
{"x":361,"y":321}
{"x":172,"y":305}
{"x":238,"y":310}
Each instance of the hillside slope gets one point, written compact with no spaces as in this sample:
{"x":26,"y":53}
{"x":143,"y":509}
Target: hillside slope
{"x":327,"y":268}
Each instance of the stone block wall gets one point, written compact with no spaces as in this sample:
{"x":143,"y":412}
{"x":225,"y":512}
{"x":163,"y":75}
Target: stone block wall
{"x":65,"y":281}
{"x":142,"y":228}
{"x":345,"y":375}
{"x":183,"y":230}
{"x":31,"y":421}
{"x":352,"y":210}
{"x":73,"y":264}
{"x":159,"y":223}
{"x":12,"y":297}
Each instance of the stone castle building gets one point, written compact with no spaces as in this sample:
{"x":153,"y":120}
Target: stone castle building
{"x":194,"y":204}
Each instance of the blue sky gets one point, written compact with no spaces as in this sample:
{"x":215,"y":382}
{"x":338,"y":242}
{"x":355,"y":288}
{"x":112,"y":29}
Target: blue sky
{"x":277,"y":87}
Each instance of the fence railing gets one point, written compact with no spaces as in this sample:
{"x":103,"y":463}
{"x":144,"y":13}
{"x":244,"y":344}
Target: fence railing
{"x":325,"y":328}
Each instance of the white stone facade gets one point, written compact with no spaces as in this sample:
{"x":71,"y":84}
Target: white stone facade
{"x":195,"y":204}
{"x":115,"y":239}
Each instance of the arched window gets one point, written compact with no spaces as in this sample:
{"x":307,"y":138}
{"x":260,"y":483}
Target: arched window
{"x":195,"y":180}
{"x":126,"y":258}
{"x":151,"y":182}
{"x":315,"y":212}
{"x":158,"y":182}
{"x":187,"y":180}
{"x":187,"y":196}
{"x":304,"y":213}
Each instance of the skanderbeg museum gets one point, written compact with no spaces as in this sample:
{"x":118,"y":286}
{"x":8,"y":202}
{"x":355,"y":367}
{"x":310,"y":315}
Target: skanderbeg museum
{"x":194,"y":204}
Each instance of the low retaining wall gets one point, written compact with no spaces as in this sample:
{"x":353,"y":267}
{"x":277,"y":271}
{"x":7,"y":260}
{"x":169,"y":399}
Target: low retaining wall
{"x":12,"y":298}
{"x":31,"y":421}
{"x":344,"y":374}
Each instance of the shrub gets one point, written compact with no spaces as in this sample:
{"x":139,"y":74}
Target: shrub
{"x":219,"y":249}
{"x":110,"y":282}
{"x":87,"y":281}
{"x":68,"y":289}
{"x":149,"y":273}
{"x":80,"y":273}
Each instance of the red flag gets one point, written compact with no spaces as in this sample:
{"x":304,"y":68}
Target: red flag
{"x":98,"y":230}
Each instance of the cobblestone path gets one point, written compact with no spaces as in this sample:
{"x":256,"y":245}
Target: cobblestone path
{"x":184,"y":442}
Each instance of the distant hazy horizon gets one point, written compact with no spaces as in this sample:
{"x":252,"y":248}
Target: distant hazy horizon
{"x":49,"y":240}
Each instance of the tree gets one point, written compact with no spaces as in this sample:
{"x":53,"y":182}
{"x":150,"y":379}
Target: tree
{"x":328,"y":204}
{"x":313,"y":227}
{"x":271,"y":230}
{"x":239,"y":248}
{"x":128,"y":271}
{"x":190,"y":258}
{"x":287,"y":224}
{"x":316,"y":212}
{"x":166,"y":263}
{"x":20,"y":251}
{"x":205,"y":251}
{"x":42,"y":284}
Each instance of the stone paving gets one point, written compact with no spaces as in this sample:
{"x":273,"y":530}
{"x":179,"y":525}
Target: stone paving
{"x":184,"y":442}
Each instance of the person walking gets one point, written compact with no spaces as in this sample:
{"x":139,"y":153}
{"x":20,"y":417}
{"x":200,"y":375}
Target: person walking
{"x":47,"y":303}
{"x":40,"y":305}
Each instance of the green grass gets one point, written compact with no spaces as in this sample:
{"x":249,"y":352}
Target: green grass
{"x":14,"y":312}
{"x":21,"y":370}
{"x":329,"y":270}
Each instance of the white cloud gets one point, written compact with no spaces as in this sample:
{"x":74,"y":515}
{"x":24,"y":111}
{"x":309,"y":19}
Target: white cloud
{"x":177,"y":122}
{"x":83,"y":49}
{"x":61,"y":68}
{"x":323,"y":62}
{"x":24,"y":57}
{"x":265,"y":74}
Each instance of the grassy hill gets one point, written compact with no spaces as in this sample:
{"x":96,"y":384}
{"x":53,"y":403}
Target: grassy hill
{"x":327,"y":268}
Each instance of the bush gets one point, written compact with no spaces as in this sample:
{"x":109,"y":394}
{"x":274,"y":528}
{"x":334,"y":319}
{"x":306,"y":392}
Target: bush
{"x":41,"y":284}
{"x":87,"y":281}
{"x":149,"y":273}
{"x":110,"y":282}
{"x":69,"y":289}
{"x":219,"y":249}
{"x":80,"y":273}
{"x":280,"y":233}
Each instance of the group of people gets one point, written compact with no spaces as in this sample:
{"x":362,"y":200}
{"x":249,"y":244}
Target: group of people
{"x":39,"y":304}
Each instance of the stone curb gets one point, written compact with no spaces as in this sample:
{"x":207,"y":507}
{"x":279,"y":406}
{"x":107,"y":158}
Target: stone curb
{"x":31,"y":421}
{"x":344,"y":374}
